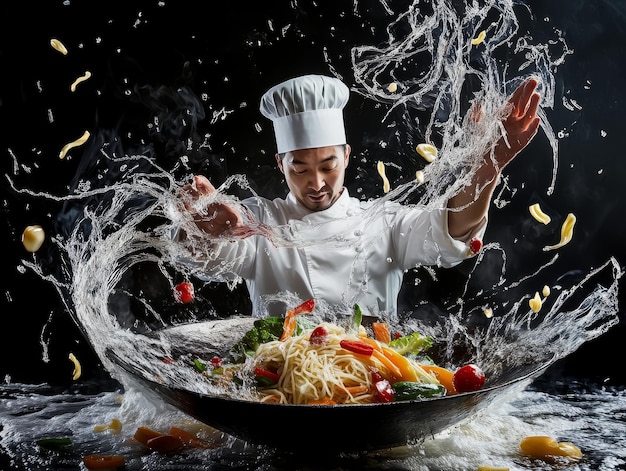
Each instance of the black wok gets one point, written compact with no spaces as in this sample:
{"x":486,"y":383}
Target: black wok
{"x":339,"y":428}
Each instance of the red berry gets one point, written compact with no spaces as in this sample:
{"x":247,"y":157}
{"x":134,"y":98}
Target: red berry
{"x":468,"y":378}
{"x":183,"y":292}
{"x":475,"y":245}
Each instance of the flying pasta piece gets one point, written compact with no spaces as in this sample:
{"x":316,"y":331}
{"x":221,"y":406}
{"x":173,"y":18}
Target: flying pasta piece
{"x":392,"y":87}
{"x":428,"y":151}
{"x":78,"y":142}
{"x":488,"y":312}
{"x":535,"y":303}
{"x":567,"y":230}
{"x":545,"y":291}
{"x":419,"y":176}
{"x":33,"y":238}
{"x":80,"y":79}
{"x":77,"y":367}
{"x":479,"y":39}
{"x":381,"y":172}
{"x":58,"y":45}
{"x":538,"y":214}
{"x":115,"y":427}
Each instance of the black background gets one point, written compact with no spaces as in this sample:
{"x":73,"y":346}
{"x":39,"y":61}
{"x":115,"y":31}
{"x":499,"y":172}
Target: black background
{"x":233,"y":53}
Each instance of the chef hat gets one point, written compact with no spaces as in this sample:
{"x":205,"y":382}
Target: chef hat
{"x":307,"y":112}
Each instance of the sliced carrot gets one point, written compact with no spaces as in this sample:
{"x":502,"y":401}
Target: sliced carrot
{"x":165,"y":443}
{"x":443,"y":375}
{"x":143,"y":434}
{"x":381,"y":332}
{"x":354,"y":390}
{"x":323,"y":401}
{"x":407,"y":371}
{"x":373,"y":343}
{"x":187,"y":437}
{"x":104,"y":461}
{"x":289,"y":326}
{"x":393,"y":368}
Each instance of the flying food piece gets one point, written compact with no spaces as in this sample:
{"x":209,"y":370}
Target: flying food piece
{"x":545,"y":291}
{"x":567,"y":230}
{"x":475,"y":245}
{"x":479,"y":39}
{"x":33,"y":238}
{"x":428,"y":151}
{"x":392,"y":87}
{"x":115,"y":426}
{"x":78,"y":142}
{"x":488,"y":312}
{"x":381,"y":172}
{"x":545,"y":448}
{"x":80,"y":79}
{"x":538,"y":214}
{"x":77,"y":367}
{"x":535,"y":303}
{"x":58,"y":45}
{"x":419,"y":176}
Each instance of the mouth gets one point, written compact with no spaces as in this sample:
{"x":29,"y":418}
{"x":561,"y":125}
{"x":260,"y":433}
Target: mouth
{"x":317,"y":197}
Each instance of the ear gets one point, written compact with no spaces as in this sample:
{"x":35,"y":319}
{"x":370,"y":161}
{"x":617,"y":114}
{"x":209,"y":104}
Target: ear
{"x":279,"y":162}
{"x":347,"y":157}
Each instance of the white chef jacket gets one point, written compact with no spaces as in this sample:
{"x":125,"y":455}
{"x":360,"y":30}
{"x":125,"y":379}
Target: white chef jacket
{"x":352,"y":252}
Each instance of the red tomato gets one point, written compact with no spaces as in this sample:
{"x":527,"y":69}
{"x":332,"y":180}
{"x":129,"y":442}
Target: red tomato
{"x":306,"y":306}
{"x":319,"y":336}
{"x":468,"y":378}
{"x":384,"y":391}
{"x":183,"y":292}
{"x":475,"y":245}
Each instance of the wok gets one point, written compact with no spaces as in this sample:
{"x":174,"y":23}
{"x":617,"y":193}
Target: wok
{"x":338,"y":428}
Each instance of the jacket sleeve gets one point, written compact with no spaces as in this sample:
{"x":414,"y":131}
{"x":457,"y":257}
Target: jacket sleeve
{"x":421,"y":237}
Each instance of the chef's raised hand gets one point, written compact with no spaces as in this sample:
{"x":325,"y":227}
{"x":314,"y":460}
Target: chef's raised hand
{"x":217,"y":219}
{"x":521,"y":122}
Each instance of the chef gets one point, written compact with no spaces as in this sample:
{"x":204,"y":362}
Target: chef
{"x":335,"y":248}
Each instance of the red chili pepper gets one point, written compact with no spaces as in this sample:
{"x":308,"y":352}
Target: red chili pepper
{"x":260,"y":372}
{"x":319,"y":336}
{"x":357,"y":346}
{"x":306,"y":306}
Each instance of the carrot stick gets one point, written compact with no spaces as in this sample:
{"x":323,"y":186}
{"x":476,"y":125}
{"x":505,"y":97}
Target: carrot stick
{"x":407,"y":372}
{"x":381,"y":332}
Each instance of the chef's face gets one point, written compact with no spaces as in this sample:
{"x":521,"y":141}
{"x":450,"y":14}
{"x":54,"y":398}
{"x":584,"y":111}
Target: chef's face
{"x":315,"y":176}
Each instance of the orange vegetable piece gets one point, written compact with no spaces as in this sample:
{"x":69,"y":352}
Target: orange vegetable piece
{"x":165,"y":443}
{"x":143,"y":434}
{"x":291,"y":317}
{"x":103,"y":461}
{"x":444,"y":376}
{"x":187,"y":437}
{"x":407,"y":371}
{"x":381,"y":332}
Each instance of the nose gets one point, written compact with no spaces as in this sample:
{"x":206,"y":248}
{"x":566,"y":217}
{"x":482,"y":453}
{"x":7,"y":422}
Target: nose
{"x":317,"y":181}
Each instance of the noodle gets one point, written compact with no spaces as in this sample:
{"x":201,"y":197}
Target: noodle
{"x":311,"y":373}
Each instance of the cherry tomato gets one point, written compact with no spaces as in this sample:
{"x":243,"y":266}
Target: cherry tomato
{"x":468,"y":378}
{"x":384,"y":391}
{"x":319,"y":336}
{"x":475,"y":245}
{"x":183,"y":292}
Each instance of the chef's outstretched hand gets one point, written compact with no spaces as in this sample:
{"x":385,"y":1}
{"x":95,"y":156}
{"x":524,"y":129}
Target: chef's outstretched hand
{"x":218,"y":219}
{"x":520,"y":124}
